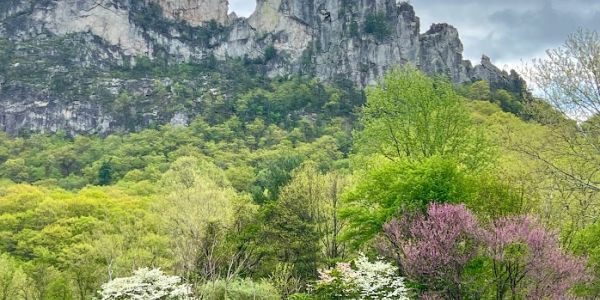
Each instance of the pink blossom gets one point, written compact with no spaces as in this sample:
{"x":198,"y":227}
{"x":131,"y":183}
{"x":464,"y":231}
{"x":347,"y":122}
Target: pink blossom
{"x":435,"y":248}
{"x":530,"y":261}
{"x":527,"y":260}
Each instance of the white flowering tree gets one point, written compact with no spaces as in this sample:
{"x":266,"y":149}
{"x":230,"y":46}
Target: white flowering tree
{"x":146,"y":284}
{"x":362,"y":280}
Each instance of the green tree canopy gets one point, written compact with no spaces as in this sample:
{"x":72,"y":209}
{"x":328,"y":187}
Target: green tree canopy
{"x":411,"y":116}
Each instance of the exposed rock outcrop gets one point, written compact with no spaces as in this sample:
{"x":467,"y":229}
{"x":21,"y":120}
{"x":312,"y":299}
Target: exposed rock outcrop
{"x":358,"y":40}
{"x":196,"y":12}
{"x":497,"y":78}
{"x":102,"y":18}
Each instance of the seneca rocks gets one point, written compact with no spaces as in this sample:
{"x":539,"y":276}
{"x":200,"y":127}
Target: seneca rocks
{"x":357,"y":39}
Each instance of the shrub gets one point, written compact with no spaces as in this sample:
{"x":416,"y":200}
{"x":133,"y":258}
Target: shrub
{"x":239,"y":289}
{"x":301,"y":296}
{"x":439,"y":250}
{"x":361,"y":280}
{"x":435,"y":249}
{"x":377,"y":25}
{"x":270,"y":53}
{"x":529,"y":263}
{"x":146,"y":284}
{"x":284,"y":281}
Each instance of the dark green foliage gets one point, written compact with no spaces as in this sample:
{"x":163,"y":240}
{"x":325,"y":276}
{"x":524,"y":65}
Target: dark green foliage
{"x":105,"y":173}
{"x":354,"y":29}
{"x":270,"y":53}
{"x":275,"y":173}
{"x":377,"y":24}
{"x":291,"y":235}
{"x":150,"y":17}
{"x":510,"y":102}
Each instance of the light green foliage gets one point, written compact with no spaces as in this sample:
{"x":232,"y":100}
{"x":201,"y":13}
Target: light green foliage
{"x":508,"y":102}
{"x":284,"y":281}
{"x":411,"y":116}
{"x":534,"y":163}
{"x":14,"y":283}
{"x":75,"y":241}
{"x":480,"y":90}
{"x":238,"y":289}
{"x":153,"y":209}
{"x":245,"y":130}
{"x":303,"y":226}
{"x":391,"y":188}
{"x":587,"y":242}
{"x":321,"y":194}
{"x":201,"y":209}
{"x":419,"y":145}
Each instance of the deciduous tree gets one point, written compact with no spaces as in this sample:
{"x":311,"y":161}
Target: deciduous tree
{"x":528,"y":261}
{"x":435,"y":249}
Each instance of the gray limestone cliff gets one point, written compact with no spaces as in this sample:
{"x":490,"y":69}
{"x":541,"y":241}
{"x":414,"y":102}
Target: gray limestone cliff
{"x":47,"y":44}
{"x":196,"y":12}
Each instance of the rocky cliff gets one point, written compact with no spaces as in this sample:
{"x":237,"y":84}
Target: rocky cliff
{"x":57,"y":56}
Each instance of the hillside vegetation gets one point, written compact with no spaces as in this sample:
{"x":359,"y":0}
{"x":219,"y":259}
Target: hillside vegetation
{"x":297,"y":189}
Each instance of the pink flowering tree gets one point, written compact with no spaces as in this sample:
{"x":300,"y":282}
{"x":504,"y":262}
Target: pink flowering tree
{"x":525,"y":259}
{"x":528,"y":263}
{"x":435,"y":249}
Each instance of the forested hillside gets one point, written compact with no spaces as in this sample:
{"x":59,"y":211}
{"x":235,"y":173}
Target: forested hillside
{"x":294,"y":187}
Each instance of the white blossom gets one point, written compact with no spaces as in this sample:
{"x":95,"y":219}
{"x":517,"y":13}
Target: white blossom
{"x":378,"y":280}
{"x":370,"y":280}
{"x":146,"y":284}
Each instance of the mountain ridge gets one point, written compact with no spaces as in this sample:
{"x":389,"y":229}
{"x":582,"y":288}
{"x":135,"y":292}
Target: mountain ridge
{"x":356,"y":40}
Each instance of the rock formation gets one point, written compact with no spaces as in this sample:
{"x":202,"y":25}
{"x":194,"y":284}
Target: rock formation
{"x":196,"y":12}
{"x":354,"y":39}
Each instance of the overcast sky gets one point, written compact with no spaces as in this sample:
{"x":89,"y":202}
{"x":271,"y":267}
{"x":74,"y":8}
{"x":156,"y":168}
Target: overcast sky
{"x":506,"y":30}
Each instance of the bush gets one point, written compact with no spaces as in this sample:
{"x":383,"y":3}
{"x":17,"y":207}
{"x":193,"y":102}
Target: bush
{"x":270,"y":53}
{"x":301,"y":297}
{"x":377,"y":25}
{"x":146,"y":284}
{"x":240,"y":289}
{"x":361,"y":280}
{"x":435,"y":250}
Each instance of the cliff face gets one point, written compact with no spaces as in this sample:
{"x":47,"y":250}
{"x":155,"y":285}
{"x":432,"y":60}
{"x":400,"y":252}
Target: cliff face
{"x":195,"y":12}
{"x":358,"y":40}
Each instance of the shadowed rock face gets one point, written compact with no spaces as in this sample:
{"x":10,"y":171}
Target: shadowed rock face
{"x":355,"y":39}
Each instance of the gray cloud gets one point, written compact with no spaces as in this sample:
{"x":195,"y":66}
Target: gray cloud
{"x":506,"y":30}
{"x":511,"y":30}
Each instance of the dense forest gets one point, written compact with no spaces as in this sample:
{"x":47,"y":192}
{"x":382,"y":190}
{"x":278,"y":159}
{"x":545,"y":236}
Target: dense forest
{"x":292,"y":188}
